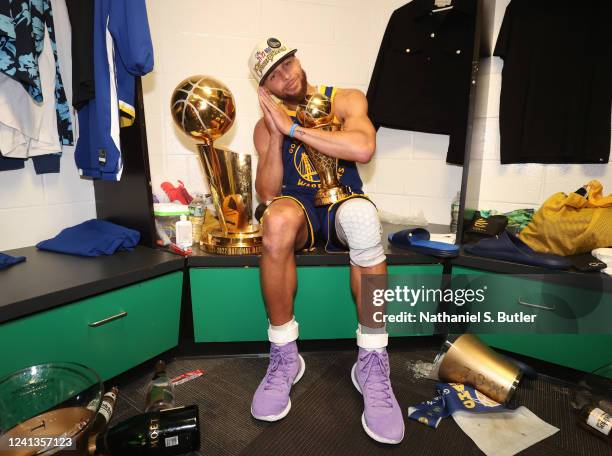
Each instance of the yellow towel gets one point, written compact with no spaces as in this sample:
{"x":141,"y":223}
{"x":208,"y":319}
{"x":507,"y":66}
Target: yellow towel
{"x":571,"y":224}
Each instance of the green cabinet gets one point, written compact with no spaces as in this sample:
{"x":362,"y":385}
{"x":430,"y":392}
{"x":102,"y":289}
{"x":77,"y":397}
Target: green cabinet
{"x":110,"y":333}
{"x":572,"y":324}
{"x":228,"y":305}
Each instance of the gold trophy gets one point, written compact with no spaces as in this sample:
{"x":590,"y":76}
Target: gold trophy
{"x":316,"y":112}
{"x":204,"y":109}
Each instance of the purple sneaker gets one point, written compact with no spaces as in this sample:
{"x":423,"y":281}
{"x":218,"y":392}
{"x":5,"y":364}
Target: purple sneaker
{"x":271,"y":400}
{"x":382,"y":417}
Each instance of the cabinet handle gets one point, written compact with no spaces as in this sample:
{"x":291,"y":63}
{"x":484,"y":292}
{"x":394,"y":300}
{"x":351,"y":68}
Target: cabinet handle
{"x":108,"y":320}
{"x":537,"y":306}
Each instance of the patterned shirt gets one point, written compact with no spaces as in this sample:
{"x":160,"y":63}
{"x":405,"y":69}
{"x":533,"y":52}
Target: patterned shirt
{"x":22,"y":32}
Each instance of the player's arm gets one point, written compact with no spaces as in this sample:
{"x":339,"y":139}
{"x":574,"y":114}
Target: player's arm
{"x":269,"y":176}
{"x":357,"y":140}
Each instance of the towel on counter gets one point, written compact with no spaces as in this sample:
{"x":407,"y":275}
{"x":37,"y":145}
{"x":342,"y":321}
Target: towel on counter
{"x":92,"y":238}
{"x":7,"y":260}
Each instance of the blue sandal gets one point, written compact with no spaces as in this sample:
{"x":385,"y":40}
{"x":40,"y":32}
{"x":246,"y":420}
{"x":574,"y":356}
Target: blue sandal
{"x":417,"y":240}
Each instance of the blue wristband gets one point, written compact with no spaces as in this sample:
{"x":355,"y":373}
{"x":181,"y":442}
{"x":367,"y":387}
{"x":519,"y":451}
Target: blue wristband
{"x":292,"y":130}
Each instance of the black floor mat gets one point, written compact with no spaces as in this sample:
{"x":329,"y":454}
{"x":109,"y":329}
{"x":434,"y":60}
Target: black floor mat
{"x":326,"y":410}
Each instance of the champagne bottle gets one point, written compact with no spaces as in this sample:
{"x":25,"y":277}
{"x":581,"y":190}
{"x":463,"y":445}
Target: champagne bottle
{"x":107,"y":407}
{"x":160,"y":433}
{"x":597,"y":421}
{"x":160,"y":391}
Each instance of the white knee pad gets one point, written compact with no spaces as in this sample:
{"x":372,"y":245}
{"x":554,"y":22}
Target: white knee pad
{"x":358,"y":227}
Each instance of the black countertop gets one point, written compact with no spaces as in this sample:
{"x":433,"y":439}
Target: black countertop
{"x":319,"y":257}
{"x":46,"y":279}
{"x":573,"y":277}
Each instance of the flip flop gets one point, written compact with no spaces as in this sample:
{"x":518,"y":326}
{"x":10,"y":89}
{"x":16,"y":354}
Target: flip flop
{"x":417,"y":240}
{"x":506,"y":246}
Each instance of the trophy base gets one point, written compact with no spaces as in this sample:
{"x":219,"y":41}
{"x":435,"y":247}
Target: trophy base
{"x":327,"y":196}
{"x":221,"y":243}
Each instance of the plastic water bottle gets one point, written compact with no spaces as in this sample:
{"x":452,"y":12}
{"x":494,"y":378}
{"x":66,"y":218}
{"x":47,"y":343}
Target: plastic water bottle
{"x":197,"y":211}
{"x":184,"y":233}
{"x":160,"y":390}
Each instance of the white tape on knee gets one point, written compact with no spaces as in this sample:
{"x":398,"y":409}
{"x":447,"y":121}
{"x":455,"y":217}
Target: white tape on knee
{"x":358,"y":226}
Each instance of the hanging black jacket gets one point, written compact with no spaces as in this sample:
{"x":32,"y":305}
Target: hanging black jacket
{"x":421,"y":79}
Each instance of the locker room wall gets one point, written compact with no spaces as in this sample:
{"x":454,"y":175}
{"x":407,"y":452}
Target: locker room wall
{"x":337,"y":42}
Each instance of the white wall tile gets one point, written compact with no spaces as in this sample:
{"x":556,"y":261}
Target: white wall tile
{"x":22,"y":227}
{"x":481,"y":100}
{"x":432,"y":178}
{"x":206,"y":54}
{"x":395,"y":144}
{"x":436,"y":211}
{"x":21,"y":188}
{"x":429,"y":146}
{"x":152,"y":93}
{"x":394,"y":204}
{"x":315,"y":24}
{"x":391,"y":175}
{"x":240,"y":137}
{"x":567,"y":178}
{"x":67,"y":186}
{"x":368,"y":173}
{"x":477,"y":145}
{"x":511,"y":183}
{"x":156,"y":127}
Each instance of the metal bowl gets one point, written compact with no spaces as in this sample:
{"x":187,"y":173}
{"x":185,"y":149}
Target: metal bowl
{"x":48,"y":405}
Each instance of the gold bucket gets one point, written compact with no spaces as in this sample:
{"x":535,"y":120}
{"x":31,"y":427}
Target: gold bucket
{"x":468,"y":360}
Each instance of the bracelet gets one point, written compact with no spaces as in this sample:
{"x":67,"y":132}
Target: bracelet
{"x":292,"y":130}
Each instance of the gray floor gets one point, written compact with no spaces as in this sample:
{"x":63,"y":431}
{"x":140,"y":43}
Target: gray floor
{"x":325,"y":416}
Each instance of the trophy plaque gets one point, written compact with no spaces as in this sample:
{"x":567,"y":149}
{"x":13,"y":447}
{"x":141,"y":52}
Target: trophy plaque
{"x":316,"y":112}
{"x":204,"y":108}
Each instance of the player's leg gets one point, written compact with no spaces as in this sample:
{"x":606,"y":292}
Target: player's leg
{"x":285,"y":229}
{"x":358,"y":227}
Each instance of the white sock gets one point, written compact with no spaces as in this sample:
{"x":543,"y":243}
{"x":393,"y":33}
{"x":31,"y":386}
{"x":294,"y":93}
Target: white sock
{"x":373,"y":338}
{"x":285,"y":333}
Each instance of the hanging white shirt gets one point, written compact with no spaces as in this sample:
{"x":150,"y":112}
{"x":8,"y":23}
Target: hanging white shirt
{"x":28,"y":128}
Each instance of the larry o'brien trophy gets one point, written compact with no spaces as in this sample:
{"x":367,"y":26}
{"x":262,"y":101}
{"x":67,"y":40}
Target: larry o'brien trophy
{"x":316,"y":112}
{"x":204,"y":109}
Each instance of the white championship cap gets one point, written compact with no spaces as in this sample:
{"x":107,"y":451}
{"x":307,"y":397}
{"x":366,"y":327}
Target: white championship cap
{"x":268,"y":53}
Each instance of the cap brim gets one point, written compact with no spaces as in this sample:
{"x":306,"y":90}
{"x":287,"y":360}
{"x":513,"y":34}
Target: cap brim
{"x":277,"y":63}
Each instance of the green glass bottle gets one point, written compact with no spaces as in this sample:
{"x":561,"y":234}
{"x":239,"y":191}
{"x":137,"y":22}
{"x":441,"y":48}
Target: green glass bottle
{"x":163,"y":432}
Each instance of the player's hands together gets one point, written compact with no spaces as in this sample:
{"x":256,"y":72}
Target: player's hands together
{"x":275,"y":117}
{"x":270,"y":125}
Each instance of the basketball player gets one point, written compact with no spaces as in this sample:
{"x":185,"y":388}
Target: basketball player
{"x":287,"y":182}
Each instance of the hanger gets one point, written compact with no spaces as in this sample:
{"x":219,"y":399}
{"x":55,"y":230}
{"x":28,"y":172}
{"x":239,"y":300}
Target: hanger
{"x":445,"y":6}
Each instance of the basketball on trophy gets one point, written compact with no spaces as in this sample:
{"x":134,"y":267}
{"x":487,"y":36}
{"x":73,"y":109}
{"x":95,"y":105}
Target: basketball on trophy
{"x":316,"y":111}
{"x":203,"y":107}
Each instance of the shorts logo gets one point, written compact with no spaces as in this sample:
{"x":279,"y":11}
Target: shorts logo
{"x":303,"y":165}
{"x":273,"y":43}
{"x":305,"y":168}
